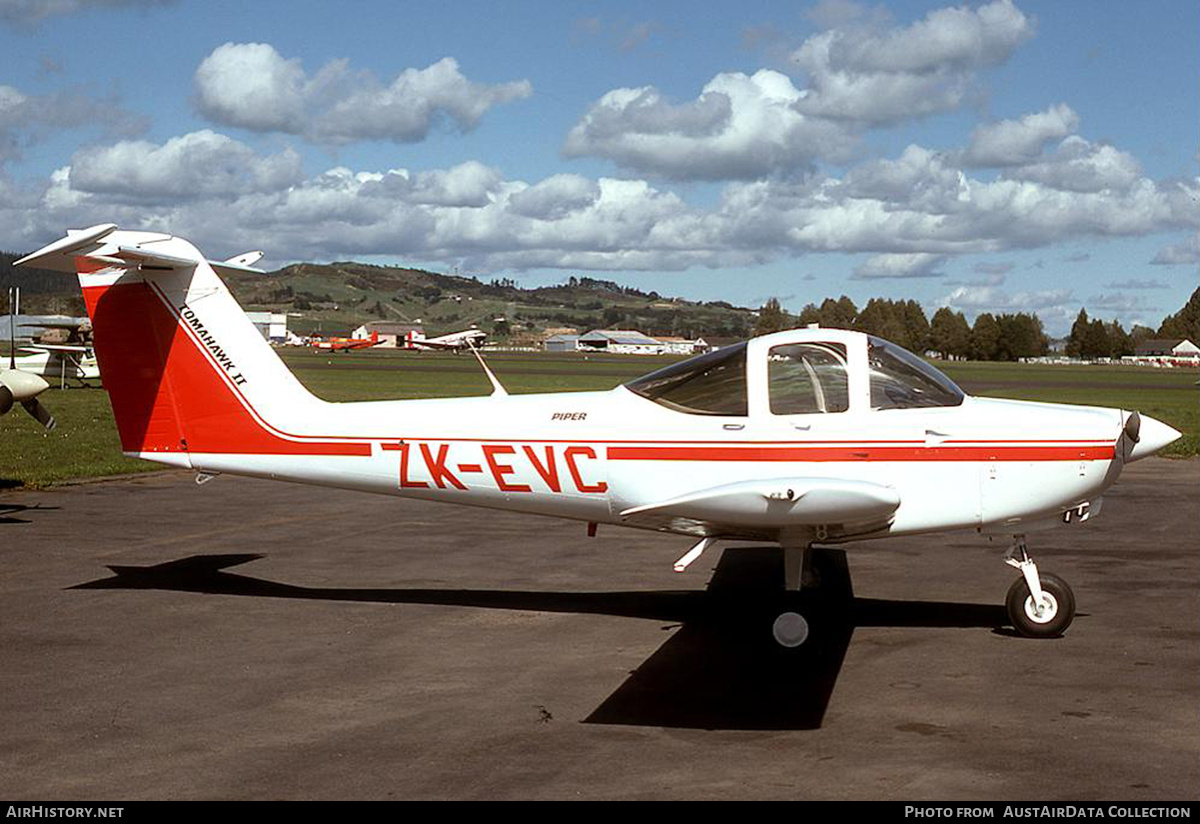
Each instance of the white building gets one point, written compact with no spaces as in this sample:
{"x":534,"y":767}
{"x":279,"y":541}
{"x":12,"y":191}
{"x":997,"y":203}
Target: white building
{"x":271,"y":325}
{"x":1171,"y":352}
{"x":620,"y":341}
{"x":391,"y":334}
{"x":561,"y":343}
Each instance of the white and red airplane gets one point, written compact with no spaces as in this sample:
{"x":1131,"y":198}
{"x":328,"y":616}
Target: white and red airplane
{"x":809,"y":436}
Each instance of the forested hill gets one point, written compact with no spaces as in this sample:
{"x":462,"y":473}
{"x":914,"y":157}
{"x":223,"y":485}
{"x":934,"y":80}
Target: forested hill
{"x":333,"y":298}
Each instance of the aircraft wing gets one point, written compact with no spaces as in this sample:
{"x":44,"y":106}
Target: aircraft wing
{"x":56,"y":347}
{"x":60,"y":324}
{"x":441,"y":344}
{"x":763,"y":508}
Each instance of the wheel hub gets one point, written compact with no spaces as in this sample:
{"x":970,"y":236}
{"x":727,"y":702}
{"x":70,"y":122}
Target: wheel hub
{"x":1048,"y":609}
{"x":790,"y":629}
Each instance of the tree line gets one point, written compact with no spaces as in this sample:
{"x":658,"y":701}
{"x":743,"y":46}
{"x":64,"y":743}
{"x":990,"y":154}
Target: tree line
{"x":1002,"y":337}
{"x":1093,"y":338}
{"x":991,"y":337}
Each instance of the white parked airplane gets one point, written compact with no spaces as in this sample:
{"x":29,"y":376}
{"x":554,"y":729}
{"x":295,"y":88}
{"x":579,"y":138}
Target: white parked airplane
{"x":809,"y":436}
{"x":62,"y":361}
{"x":455,"y":341}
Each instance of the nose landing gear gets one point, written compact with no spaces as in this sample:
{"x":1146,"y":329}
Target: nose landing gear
{"x":1039,"y":605}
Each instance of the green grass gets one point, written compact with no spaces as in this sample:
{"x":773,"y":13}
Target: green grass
{"x":85,"y":444}
{"x":1170,"y":395}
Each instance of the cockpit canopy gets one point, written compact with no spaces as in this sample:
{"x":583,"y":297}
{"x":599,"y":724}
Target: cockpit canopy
{"x":799,"y":372}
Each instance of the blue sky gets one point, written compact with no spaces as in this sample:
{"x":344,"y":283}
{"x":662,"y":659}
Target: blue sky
{"x":997,"y":156}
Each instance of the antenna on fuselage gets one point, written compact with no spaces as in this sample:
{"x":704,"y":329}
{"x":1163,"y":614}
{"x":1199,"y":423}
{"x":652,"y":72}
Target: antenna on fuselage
{"x":497,"y":388}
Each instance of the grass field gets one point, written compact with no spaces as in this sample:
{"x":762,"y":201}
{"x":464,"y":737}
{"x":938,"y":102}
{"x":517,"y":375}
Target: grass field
{"x":85,"y":444}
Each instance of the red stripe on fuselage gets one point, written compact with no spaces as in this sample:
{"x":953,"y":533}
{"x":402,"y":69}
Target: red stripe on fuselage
{"x":864,"y":453}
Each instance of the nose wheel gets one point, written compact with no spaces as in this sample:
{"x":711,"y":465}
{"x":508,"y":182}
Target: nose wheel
{"x":1040,"y":605}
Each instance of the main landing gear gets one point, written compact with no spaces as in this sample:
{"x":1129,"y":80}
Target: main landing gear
{"x":826,"y":583}
{"x":1039,"y":605}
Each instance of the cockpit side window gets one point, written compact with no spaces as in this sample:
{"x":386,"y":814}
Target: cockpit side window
{"x":804,"y":378}
{"x":711,"y":384}
{"x":901,"y":380}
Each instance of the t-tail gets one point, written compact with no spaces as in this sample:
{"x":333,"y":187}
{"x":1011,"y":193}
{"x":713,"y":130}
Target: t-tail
{"x":186,"y":370}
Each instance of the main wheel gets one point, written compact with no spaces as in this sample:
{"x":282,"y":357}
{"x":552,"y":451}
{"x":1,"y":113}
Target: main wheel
{"x":790,"y":630}
{"x":1058,"y":607}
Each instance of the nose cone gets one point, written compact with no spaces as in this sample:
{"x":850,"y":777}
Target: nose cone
{"x":23,"y":385}
{"x":1152,"y":436}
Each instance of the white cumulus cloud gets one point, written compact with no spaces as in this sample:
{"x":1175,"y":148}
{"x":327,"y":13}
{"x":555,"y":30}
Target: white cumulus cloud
{"x":1015,"y":142}
{"x":900,"y":265}
{"x":196,"y":165}
{"x":740,"y":126}
{"x":252,"y":86}
{"x":869,"y":73}
{"x":862,"y":72}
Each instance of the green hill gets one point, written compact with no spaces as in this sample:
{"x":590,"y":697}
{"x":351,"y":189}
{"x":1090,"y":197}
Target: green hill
{"x":334,"y":298}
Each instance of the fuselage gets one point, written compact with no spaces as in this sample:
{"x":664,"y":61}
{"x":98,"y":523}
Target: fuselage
{"x":592,"y":455}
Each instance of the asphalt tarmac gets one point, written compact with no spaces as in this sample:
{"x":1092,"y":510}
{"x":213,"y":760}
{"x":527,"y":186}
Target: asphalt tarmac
{"x":254,"y":640}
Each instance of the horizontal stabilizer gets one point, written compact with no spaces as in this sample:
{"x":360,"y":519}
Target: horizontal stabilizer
{"x":58,"y":255}
{"x":91,"y":244}
{"x":244,"y":261}
{"x":777,"y":503}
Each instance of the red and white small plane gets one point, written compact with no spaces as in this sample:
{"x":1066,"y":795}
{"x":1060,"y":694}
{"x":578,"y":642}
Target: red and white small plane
{"x":809,"y":436}
{"x":345,"y":344}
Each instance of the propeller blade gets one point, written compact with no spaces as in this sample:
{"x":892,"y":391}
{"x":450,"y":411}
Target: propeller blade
{"x":6,"y":399}
{"x":1133,"y":427}
{"x":40,"y":413}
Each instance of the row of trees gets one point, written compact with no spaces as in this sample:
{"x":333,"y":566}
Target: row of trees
{"x":992,"y":337}
{"x":1093,"y":338}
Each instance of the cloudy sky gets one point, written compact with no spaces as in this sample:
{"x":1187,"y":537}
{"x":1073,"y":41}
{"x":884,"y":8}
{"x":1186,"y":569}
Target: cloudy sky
{"x":995,"y":156}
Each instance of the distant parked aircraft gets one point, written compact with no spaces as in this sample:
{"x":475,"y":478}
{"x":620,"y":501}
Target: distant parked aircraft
{"x":455,"y":341}
{"x":345,"y":344}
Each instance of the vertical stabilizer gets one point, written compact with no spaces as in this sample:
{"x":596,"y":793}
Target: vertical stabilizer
{"x":186,"y":370}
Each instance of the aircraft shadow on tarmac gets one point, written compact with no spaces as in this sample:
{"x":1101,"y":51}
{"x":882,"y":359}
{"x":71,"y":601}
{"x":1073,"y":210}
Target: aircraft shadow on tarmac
{"x":719,"y":669}
{"x":8,"y":512}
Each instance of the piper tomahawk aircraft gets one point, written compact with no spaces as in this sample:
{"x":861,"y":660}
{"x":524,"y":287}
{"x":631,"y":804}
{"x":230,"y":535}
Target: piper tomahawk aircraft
{"x":810,"y":436}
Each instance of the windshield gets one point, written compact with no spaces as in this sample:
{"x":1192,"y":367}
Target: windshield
{"x":901,"y":380}
{"x":711,"y":384}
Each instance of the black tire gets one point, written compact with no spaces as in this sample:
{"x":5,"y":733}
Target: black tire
{"x":1020,"y":607}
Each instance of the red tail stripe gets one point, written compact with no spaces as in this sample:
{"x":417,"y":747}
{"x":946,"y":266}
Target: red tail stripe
{"x":167,"y":394}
